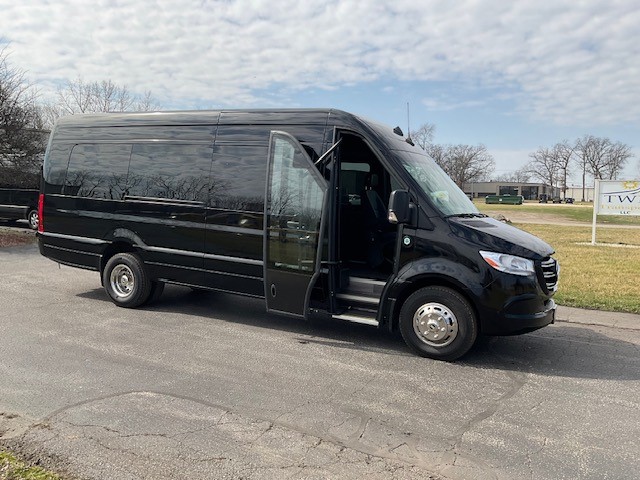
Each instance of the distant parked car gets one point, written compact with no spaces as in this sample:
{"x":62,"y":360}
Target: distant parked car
{"x":569,"y":200}
{"x":557,"y":200}
{"x":18,"y":204}
{"x":544,"y":198}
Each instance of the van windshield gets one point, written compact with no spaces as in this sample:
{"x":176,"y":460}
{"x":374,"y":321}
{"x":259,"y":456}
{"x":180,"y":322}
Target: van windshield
{"x":436,"y":184}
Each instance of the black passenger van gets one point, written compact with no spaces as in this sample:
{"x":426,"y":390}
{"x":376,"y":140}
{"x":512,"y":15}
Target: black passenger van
{"x":318,"y":212}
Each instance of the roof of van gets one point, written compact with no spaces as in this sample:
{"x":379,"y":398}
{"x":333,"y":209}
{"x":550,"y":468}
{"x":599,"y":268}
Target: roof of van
{"x":302,"y":116}
{"x":191,"y":117}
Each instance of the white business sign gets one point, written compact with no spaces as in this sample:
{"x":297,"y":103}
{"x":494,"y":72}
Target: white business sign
{"x":615,"y":197}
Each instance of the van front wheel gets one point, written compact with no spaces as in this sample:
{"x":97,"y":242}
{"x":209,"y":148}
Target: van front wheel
{"x":126,"y":281}
{"x":438,"y":322}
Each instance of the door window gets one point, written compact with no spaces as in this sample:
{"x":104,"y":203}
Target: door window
{"x":296,"y":201}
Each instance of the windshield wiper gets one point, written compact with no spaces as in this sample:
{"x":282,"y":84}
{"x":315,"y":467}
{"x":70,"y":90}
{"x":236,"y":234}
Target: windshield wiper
{"x":467,"y":215}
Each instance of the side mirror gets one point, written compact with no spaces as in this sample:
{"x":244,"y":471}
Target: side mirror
{"x":400,"y":207}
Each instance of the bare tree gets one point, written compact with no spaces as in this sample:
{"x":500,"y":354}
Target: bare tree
{"x":438,"y":153}
{"x":521,"y":175}
{"x":79,"y":96}
{"x":22,"y":138}
{"x":469,"y":163}
{"x":464,"y":163}
{"x":592,"y":151}
{"x":564,"y":153}
{"x":545,"y":165}
{"x":581,"y":159}
{"x":423,"y":136}
{"x":618,"y":156}
{"x":603,"y":158}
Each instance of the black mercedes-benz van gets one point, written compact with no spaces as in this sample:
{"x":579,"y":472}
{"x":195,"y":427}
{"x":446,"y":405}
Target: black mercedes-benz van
{"x":319,"y":212}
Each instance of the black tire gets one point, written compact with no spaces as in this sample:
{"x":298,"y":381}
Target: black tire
{"x":438,"y":322}
{"x":126,"y":281}
{"x":156,"y":290}
{"x":32,"y":218}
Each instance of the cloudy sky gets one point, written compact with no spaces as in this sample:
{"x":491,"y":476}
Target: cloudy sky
{"x":513,"y":75}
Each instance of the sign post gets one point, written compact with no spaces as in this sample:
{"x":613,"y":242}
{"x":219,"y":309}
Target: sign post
{"x":596,"y":208}
{"x":615,"y":197}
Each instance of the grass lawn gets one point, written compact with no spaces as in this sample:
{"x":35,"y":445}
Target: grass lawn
{"x":597,"y":277}
{"x":13,"y":469}
{"x":601,"y":277}
{"x":575,"y":213}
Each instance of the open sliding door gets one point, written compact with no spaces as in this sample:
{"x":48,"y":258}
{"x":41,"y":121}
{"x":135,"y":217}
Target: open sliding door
{"x":294,"y":219}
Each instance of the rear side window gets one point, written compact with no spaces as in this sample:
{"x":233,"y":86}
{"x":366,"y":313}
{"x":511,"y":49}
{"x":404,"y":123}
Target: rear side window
{"x":98,"y":171}
{"x":177,"y":171}
{"x":238,"y":177}
{"x":55,"y":166}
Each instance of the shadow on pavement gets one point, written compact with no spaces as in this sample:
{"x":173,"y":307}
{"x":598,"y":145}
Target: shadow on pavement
{"x":560,"y":350}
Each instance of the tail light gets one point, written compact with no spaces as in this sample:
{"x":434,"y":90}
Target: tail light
{"x":41,"y":213}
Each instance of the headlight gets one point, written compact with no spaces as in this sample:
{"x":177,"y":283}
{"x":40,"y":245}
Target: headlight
{"x":509,"y":263}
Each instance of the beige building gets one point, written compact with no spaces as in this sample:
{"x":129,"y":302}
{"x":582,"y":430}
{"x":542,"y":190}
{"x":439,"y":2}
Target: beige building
{"x":530,"y":191}
{"x":577,"y":193}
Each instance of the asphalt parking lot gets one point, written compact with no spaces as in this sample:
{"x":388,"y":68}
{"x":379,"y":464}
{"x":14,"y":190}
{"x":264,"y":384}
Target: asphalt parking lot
{"x":211,"y":386}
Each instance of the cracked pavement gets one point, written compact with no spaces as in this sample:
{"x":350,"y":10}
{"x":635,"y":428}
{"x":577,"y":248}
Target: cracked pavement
{"x":211,"y":386}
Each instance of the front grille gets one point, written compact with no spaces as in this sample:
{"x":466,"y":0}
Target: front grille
{"x":550,"y":273}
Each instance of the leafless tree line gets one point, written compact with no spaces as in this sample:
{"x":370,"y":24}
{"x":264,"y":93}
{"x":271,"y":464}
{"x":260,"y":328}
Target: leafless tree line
{"x":25,"y":120}
{"x":590,"y":156}
{"x":79,"y":96}
{"x":21,"y":139}
{"x":463,"y":163}
{"x":596,"y":157}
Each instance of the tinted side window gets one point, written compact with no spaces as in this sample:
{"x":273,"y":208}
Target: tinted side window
{"x":238,"y":177}
{"x":98,"y":171}
{"x":179,"y":172}
{"x":297,"y":195}
{"x":55,"y":167}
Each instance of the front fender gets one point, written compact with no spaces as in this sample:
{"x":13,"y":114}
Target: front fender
{"x":423,"y":272}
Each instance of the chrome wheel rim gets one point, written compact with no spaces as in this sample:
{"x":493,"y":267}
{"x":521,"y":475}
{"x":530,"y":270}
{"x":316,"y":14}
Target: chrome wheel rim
{"x":33,"y":220}
{"x":122,"y":281}
{"x":435,"y":324}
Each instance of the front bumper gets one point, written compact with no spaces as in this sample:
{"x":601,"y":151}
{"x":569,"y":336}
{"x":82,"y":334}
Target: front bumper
{"x":522,"y":315}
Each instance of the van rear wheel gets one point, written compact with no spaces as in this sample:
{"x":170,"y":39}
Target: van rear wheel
{"x":438,"y":322}
{"x":126,"y":281}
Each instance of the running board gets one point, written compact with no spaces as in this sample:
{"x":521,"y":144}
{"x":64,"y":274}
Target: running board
{"x":358,"y":298}
{"x":356,"y":319}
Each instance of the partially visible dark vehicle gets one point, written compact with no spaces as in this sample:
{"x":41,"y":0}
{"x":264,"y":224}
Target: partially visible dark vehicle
{"x":569,"y":200}
{"x":19,"y":204}
{"x":557,"y":200}
{"x":544,"y":198}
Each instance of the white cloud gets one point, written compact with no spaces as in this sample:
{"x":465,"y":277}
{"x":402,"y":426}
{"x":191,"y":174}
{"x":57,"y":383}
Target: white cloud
{"x":569,"y":62}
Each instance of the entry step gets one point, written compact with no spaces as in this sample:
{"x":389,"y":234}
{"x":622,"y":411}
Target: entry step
{"x":364,"y":287}
{"x":350,"y":317}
